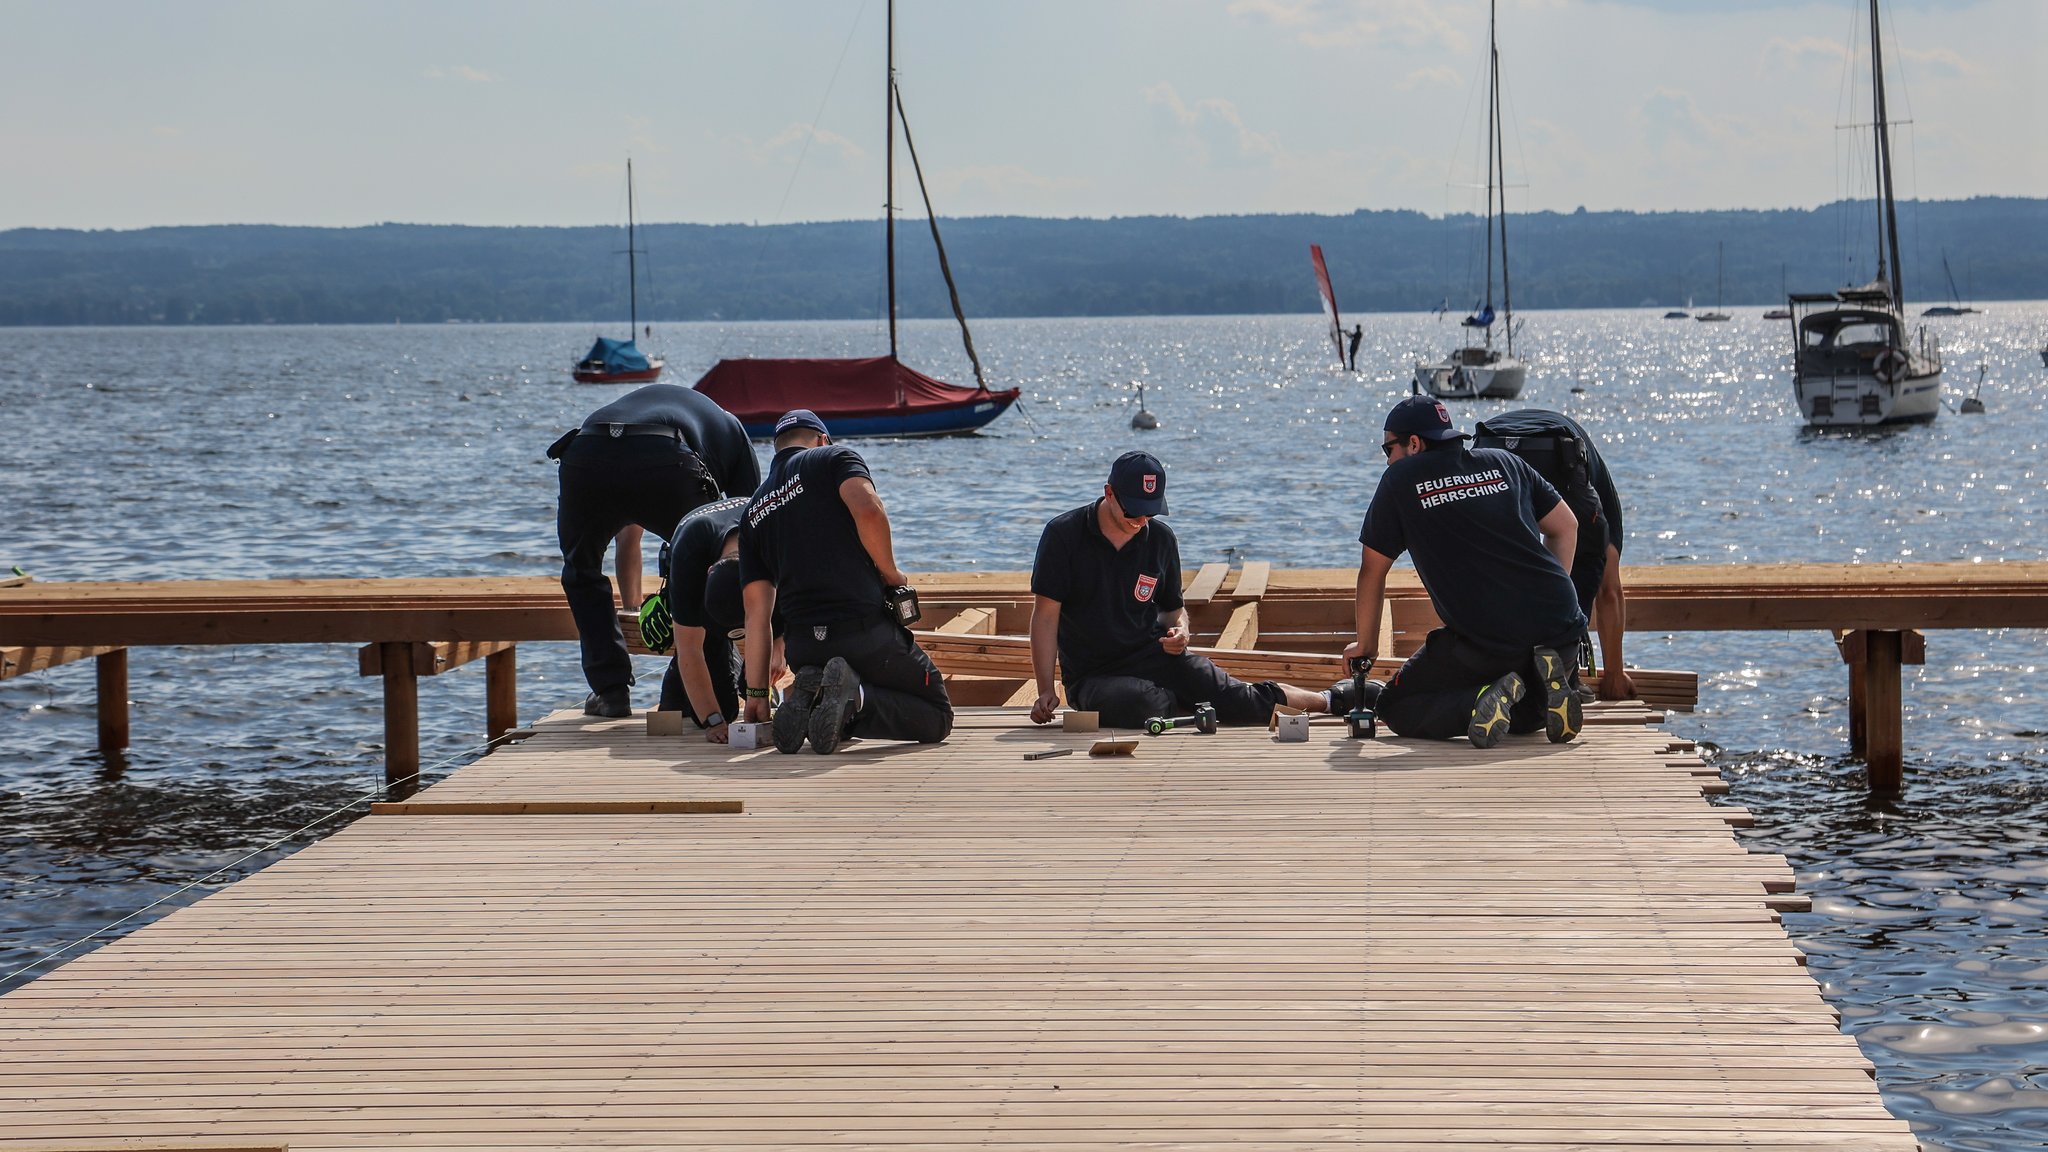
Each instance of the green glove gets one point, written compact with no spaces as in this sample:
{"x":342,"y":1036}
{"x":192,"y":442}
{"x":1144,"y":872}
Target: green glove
{"x":657,"y":630}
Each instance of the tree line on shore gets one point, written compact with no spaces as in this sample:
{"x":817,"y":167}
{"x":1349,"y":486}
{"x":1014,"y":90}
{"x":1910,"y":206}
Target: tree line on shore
{"x":1006,"y":266}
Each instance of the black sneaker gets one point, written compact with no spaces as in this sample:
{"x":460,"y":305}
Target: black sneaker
{"x":793,"y":719}
{"x":1563,"y":715}
{"x":612,"y":703}
{"x":1490,"y":713}
{"x":838,"y":698}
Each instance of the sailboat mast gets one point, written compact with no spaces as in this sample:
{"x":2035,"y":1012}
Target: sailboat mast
{"x":889,"y":169}
{"x":1507,"y":294}
{"x":1491,"y":76}
{"x":632,"y":270}
{"x":1884,"y":159}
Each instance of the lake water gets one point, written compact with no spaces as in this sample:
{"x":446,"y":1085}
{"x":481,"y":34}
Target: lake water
{"x":270,"y":452}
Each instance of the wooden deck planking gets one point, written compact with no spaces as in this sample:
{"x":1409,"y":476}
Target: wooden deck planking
{"x":1222,"y":943}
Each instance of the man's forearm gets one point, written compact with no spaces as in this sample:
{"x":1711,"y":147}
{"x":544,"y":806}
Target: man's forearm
{"x":1366,"y":609}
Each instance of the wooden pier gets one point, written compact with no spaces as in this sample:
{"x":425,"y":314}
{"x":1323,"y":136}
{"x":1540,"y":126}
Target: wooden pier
{"x":1255,"y":620}
{"x":1223,"y":942}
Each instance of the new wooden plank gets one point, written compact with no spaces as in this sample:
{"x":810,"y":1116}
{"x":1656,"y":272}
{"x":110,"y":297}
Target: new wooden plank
{"x":1207,"y":581}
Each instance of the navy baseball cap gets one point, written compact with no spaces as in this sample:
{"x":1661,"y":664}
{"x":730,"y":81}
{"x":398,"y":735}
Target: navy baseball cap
{"x":1423,"y":416}
{"x":1139,"y":481}
{"x":800,"y":418}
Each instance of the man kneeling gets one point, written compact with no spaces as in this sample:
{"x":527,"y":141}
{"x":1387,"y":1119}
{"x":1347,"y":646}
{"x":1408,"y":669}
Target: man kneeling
{"x":1107,"y":600}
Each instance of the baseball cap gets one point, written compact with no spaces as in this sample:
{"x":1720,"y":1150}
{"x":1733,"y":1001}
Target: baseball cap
{"x":1423,"y":416}
{"x":724,"y":609}
{"x":800,"y":418}
{"x":1139,"y":481}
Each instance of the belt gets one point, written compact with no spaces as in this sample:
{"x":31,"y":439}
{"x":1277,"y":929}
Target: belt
{"x":669,"y":431}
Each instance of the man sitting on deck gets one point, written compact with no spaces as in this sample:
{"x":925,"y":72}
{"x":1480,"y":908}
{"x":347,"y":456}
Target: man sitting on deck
{"x":1492,"y":541}
{"x":1107,"y":598}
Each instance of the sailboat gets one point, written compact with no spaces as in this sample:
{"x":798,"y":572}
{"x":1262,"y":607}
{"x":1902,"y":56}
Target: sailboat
{"x":1955,"y":306}
{"x":1779,"y":313}
{"x":1851,"y":362}
{"x":1481,"y":370}
{"x":1716,"y":315}
{"x":1329,"y":295}
{"x":621,"y":361}
{"x":870,"y":396}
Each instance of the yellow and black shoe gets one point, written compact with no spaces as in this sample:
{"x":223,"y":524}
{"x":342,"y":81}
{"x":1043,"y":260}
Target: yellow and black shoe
{"x":1490,"y":715}
{"x":1563,"y":716}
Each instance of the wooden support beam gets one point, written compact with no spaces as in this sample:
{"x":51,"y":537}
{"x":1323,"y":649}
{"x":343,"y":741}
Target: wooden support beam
{"x":431,"y":658}
{"x":501,"y":692}
{"x":113,"y":699}
{"x":1876,"y":704}
{"x":20,"y":661}
{"x":971,"y":622}
{"x":1883,"y":732}
{"x":401,"y":718}
{"x":1242,"y":632}
{"x":1252,"y":580}
{"x":1203,"y":588}
{"x":556,"y":807}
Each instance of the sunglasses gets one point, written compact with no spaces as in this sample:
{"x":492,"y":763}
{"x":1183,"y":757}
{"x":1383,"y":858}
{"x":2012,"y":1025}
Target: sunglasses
{"x":1387,"y":448}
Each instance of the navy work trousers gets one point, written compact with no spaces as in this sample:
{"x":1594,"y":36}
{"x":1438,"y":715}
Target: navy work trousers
{"x":905,"y":695}
{"x":1157,"y":683}
{"x":608,"y":484}
{"x":1433,"y":694}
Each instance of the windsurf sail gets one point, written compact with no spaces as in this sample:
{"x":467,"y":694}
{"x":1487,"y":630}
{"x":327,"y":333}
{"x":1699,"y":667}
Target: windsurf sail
{"x":1329,"y":294}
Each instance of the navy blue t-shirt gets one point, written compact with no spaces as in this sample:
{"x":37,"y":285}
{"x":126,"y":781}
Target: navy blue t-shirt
{"x":1543,"y":422}
{"x":799,"y":535}
{"x":715,"y":435}
{"x":694,"y":548}
{"x":1470,"y":519}
{"x":1110,"y":598}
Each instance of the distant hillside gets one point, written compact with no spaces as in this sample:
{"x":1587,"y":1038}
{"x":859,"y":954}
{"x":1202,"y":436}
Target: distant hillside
{"x":1006,"y":266}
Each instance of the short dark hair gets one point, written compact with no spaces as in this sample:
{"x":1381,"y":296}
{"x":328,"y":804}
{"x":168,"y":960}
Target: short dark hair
{"x":797,"y":435}
{"x":1440,"y":445}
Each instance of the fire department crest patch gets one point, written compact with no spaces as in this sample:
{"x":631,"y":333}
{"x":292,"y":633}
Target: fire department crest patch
{"x":1144,"y":589}
{"x":1151,"y":484}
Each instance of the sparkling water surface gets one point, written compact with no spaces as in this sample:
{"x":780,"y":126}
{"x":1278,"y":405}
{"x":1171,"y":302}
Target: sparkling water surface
{"x":278,"y":452}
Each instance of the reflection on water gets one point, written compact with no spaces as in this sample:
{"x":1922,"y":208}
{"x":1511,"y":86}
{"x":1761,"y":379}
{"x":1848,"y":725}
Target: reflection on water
{"x":418,"y":451}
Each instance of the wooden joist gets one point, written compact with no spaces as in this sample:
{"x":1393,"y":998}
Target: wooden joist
{"x":1242,"y":631}
{"x":557,"y":808}
{"x":19,"y":661}
{"x":431,"y":659}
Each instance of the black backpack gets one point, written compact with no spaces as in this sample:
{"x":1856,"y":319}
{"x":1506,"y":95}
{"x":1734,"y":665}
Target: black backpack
{"x":1557,"y":456}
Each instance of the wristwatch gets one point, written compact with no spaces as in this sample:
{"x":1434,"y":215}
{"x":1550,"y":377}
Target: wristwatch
{"x":712,"y":721}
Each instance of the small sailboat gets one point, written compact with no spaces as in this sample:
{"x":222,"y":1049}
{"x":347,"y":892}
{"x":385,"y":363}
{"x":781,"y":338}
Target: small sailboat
{"x":1482,"y":370}
{"x":1852,"y":364}
{"x":1955,"y":306}
{"x":871,"y":396}
{"x":621,"y":361}
{"x":1716,"y":315}
{"x":1779,"y":313}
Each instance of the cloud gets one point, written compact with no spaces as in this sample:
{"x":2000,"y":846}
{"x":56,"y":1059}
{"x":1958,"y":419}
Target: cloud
{"x":1672,"y":124}
{"x":1435,"y":76}
{"x":1002,"y":181}
{"x":1212,"y":129}
{"x":1800,"y":55}
{"x":797,"y":139}
{"x":1940,"y":62}
{"x":461,"y":72}
{"x":1352,"y":24}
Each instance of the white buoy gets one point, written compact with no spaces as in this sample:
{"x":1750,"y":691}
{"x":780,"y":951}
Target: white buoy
{"x":1143,"y":421}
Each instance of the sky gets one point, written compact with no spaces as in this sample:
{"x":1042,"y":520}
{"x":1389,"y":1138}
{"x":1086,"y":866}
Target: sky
{"x":127,"y":114}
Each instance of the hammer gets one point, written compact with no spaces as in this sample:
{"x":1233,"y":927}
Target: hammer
{"x":1203,"y":721}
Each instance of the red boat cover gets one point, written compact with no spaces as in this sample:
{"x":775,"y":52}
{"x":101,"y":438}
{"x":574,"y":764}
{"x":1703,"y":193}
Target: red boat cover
{"x":758,"y":391}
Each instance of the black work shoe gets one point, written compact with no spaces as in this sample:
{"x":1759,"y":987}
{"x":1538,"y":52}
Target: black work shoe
{"x":838,"y":698}
{"x":611,"y":703}
{"x":1491,"y":713}
{"x":1563,"y":715}
{"x":794,"y":717}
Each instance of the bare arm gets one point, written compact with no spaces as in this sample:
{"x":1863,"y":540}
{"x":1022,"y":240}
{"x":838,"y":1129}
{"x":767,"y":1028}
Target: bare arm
{"x":1560,"y":534}
{"x":1045,"y":633}
{"x":759,"y":597}
{"x":871,"y":520}
{"x":627,"y":564}
{"x":1175,"y":641}
{"x":1371,"y":601}
{"x":1611,"y":620}
{"x":696,"y":677}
